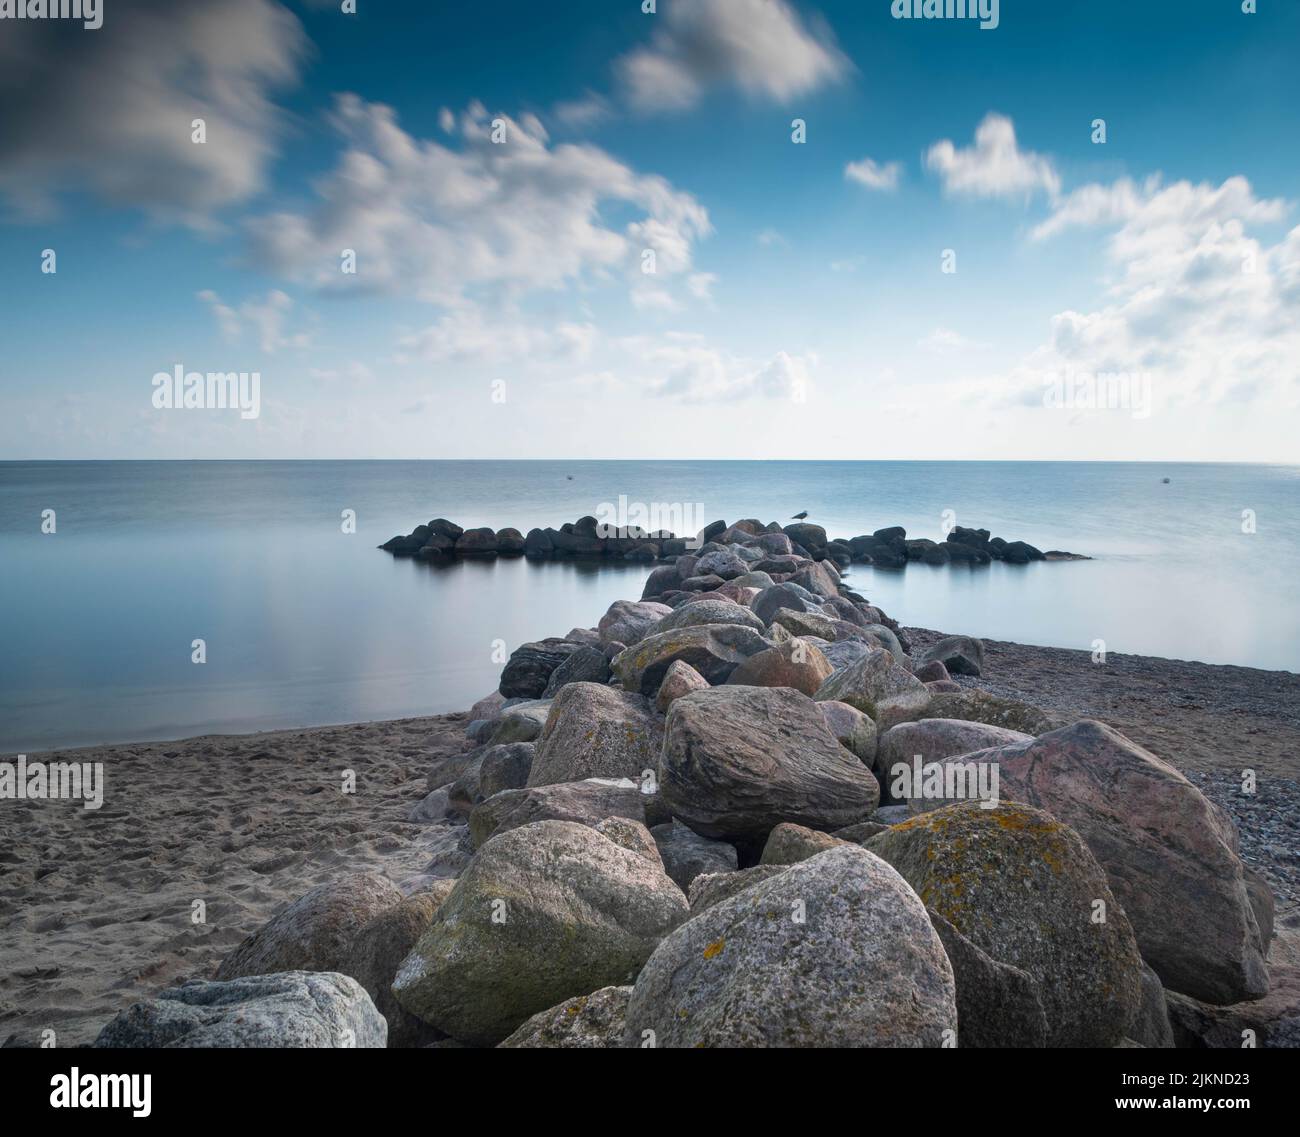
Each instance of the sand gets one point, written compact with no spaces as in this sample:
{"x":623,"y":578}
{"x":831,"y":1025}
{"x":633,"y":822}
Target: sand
{"x":95,"y":906}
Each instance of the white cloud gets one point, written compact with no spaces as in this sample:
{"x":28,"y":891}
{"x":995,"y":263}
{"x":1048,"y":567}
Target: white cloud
{"x":769,"y":237}
{"x":443,"y":223}
{"x":995,"y":166}
{"x":943,"y":341}
{"x":266,"y":318}
{"x":579,"y":114}
{"x":873,"y":175}
{"x":1209,"y":311}
{"x":111,"y":110}
{"x":466,"y":334}
{"x":691,"y":371}
{"x":762,"y":47}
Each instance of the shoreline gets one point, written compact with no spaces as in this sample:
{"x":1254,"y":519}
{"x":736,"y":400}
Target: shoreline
{"x":96,"y":915}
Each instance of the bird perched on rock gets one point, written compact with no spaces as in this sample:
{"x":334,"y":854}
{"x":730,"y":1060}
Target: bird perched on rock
{"x":799,"y":516}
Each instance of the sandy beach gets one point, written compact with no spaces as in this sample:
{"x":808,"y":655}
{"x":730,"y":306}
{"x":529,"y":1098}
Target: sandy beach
{"x":96,"y":906}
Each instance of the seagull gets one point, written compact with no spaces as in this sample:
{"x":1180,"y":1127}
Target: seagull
{"x":799,"y":516}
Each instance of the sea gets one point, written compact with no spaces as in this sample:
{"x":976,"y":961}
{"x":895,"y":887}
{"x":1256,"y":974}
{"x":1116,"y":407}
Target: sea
{"x":111,"y":573}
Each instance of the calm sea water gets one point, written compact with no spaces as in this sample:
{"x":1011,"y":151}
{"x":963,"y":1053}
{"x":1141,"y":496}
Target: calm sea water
{"x":307,"y":625}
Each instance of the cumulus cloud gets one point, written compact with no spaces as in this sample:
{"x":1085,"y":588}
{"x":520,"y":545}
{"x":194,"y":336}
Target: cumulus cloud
{"x":1209,"y":311}
{"x":874,"y":175}
{"x":467,"y":334}
{"x":692,"y":371}
{"x":440,"y":223}
{"x":762,"y":47}
{"x":995,"y":166}
{"x":266,"y":318}
{"x":111,"y":110}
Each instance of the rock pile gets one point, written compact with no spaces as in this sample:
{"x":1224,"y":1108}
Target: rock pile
{"x":587,"y":538}
{"x":686,"y":826}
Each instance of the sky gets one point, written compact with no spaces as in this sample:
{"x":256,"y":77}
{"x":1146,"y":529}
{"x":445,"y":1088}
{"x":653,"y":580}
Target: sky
{"x":718,"y":229}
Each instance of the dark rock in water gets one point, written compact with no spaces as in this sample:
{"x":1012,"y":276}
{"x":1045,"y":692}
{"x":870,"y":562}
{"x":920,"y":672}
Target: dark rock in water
{"x":891,"y":536}
{"x":510,"y":542}
{"x":314,"y":932}
{"x":738,"y":761}
{"x":1002,"y":877}
{"x":672,"y":547}
{"x":1019,"y":553}
{"x":686,"y":855}
{"x":409,"y":545}
{"x":960,"y":655}
{"x":972,"y":538}
{"x":543,"y":913}
{"x":538,"y":544}
{"x":586,"y":665}
{"x":1059,"y":555}
{"x":917,"y":548}
{"x":445,"y":528}
{"x":937,"y":555}
{"x":998,"y":1005}
{"x":288,"y":1010}
{"x":575,"y":544}
{"x":477,"y":543}
{"x":436,"y":546}
{"x":529,"y":668}
{"x":586,"y":1022}
{"x":714,"y":650}
{"x":743,"y":973}
{"x":962,"y":553}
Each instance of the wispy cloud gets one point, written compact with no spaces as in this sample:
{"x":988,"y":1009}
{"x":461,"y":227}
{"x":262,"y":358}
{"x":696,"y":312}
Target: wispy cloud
{"x":995,"y":166}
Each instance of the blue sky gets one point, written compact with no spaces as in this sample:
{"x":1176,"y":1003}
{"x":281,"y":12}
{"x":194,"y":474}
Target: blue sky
{"x":1137,"y":299}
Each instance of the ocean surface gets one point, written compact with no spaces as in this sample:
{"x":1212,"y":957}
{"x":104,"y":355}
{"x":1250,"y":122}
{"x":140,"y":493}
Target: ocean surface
{"x":305,"y":624}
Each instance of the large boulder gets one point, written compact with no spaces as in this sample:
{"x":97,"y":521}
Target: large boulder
{"x":994,"y":710}
{"x":505,"y":767}
{"x":586,"y":1022}
{"x":785,"y":595}
{"x":811,"y":537}
{"x":686,"y":855}
{"x":1024,"y":889}
{"x":314,"y":932}
{"x":378,"y":950}
{"x":961,"y":655}
{"x":477,"y":543}
{"x":628,"y":621}
{"x":594,"y":731}
{"x":587,"y":802}
{"x":708,"y":611}
{"x":851,"y":728}
{"x":998,"y":1006}
{"x":1273,"y":1021}
{"x":713,"y":888}
{"x":586,"y":665}
{"x":543,"y":913}
{"x":287,"y":1010}
{"x":529,"y":667}
{"x":834,"y":952}
{"x":879,"y":686}
{"x":789,"y":844}
{"x":680,"y":679}
{"x":794,"y":664}
{"x":1170,"y":853}
{"x":714,"y":650}
{"x":738,"y":761}
{"x":933,"y":740}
